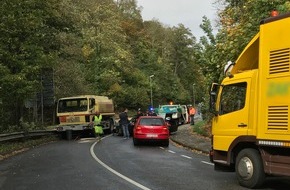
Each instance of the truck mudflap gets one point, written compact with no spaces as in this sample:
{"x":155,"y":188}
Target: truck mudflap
{"x":276,"y":161}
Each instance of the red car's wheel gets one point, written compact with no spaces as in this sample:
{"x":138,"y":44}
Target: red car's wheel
{"x":135,"y":141}
{"x":166,"y":143}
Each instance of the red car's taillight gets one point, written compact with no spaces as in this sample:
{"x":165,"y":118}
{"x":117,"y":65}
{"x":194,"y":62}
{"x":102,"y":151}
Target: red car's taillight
{"x":138,"y":128}
{"x":165,"y":128}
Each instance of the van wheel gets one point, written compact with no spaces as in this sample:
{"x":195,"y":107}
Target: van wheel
{"x":249,"y":168}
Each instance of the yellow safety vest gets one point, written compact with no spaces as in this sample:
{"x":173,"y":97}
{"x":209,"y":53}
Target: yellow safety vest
{"x":97,"y":120}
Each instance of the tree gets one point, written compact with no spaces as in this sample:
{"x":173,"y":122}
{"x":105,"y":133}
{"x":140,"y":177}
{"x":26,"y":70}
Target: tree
{"x":239,"y":22}
{"x":28,"y":44}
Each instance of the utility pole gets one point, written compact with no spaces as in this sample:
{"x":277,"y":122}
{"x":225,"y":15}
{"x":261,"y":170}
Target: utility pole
{"x":151,"y":93}
{"x":193,"y":97}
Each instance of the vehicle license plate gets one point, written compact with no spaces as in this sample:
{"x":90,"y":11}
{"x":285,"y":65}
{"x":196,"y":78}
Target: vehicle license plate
{"x":151,"y":135}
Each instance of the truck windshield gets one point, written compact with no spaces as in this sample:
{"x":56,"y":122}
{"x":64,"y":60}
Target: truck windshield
{"x":72,"y":105}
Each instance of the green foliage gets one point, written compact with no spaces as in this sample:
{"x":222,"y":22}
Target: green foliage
{"x":104,"y":47}
{"x":27,"y":44}
{"x":200,"y":128}
{"x":239,"y":22}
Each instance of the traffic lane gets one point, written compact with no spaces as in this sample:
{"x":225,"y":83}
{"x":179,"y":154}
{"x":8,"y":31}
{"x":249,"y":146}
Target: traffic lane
{"x":60,"y":165}
{"x":162,"y":168}
{"x":169,"y":168}
{"x":271,"y":183}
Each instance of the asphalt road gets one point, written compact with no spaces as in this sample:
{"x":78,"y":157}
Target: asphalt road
{"x":114,"y":163}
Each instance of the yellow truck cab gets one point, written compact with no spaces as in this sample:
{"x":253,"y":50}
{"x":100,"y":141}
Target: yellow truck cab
{"x":250,"y":127}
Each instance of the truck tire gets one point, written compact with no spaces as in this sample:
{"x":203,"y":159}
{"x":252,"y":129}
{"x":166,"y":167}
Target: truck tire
{"x":249,"y":168}
{"x":109,"y":129}
{"x":62,"y":135}
{"x":68,"y":135}
{"x":112,"y":126}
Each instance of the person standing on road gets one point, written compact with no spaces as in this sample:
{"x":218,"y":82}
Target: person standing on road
{"x":98,"y":129}
{"x":124,"y":122}
{"x":139,"y":113}
{"x":191,"y":113}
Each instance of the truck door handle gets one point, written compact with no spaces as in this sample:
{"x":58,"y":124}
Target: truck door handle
{"x":242,"y":125}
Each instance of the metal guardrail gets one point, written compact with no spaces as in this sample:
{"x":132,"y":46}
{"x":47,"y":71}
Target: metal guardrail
{"x":20,"y":135}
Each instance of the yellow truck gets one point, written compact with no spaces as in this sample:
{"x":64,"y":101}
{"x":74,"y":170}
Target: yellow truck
{"x":75,"y":114}
{"x":250,"y":127}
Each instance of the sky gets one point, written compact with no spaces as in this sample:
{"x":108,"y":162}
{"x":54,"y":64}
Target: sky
{"x":173,"y":12}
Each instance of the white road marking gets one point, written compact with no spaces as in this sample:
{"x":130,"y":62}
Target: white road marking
{"x":114,"y":171}
{"x":186,"y":156}
{"x":86,"y":141}
{"x":171,"y":151}
{"x":208,"y":163}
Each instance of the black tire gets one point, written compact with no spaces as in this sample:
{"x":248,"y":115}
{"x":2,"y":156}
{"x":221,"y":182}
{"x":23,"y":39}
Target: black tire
{"x":111,"y":127}
{"x":165,"y":143}
{"x":135,"y":142}
{"x":173,"y":126}
{"x":62,"y":135}
{"x":249,"y":168}
{"x":69,"y":135}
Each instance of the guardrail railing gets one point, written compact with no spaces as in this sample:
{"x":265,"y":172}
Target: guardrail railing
{"x":20,"y":135}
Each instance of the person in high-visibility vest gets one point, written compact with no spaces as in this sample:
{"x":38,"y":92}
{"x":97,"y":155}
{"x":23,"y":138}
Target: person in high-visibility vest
{"x":98,"y":129}
{"x":191,"y":114}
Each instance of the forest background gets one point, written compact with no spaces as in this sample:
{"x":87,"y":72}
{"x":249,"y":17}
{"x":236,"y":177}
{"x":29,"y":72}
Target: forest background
{"x":57,"y":48}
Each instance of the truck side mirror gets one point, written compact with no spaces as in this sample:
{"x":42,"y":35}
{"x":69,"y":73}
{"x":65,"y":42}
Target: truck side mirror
{"x":213,"y":96}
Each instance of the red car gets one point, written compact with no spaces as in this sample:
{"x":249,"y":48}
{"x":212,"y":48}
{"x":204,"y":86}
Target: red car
{"x":151,"y":128}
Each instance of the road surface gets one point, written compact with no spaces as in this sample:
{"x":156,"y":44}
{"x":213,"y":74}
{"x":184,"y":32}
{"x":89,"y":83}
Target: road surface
{"x":115,"y":163}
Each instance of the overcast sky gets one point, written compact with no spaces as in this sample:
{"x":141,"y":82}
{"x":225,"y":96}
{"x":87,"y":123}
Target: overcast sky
{"x":172,"y":12}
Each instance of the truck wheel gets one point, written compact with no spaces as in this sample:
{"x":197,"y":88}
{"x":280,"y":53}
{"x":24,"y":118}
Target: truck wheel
{"x":249,"y":168}
{"x":62,"y":135}
{"x":111,"y":127}
{"x":68,"y":135}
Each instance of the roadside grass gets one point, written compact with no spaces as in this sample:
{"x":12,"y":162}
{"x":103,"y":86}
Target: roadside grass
{"x":202,"y":128}
{"x":10,"y":148}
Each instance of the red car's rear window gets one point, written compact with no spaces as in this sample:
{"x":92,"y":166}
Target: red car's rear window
{"x":151,"y":121}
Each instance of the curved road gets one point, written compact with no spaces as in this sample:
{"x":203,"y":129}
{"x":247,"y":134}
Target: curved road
{"x":114,"y":163}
